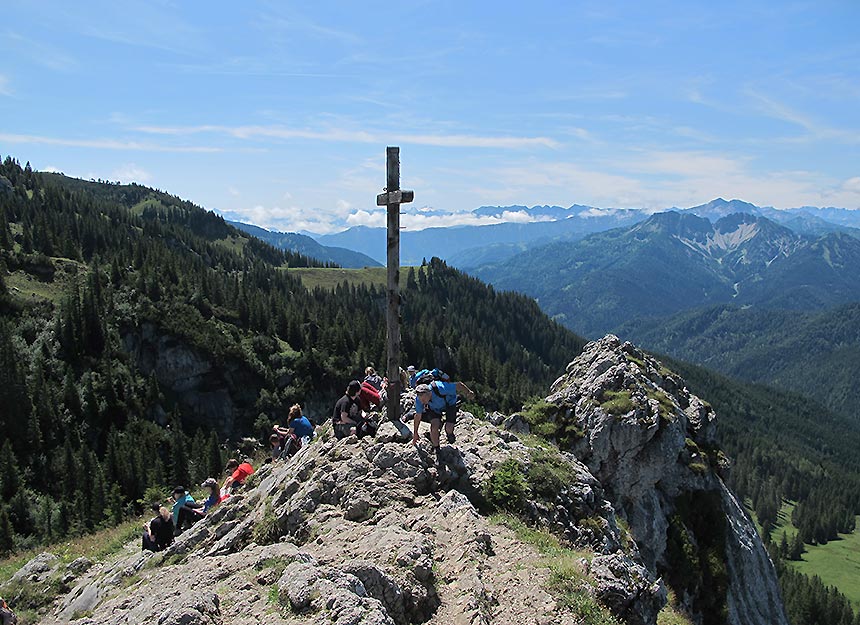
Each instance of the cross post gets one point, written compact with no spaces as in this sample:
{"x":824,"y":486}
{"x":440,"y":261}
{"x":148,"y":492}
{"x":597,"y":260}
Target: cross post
{"x":393,"y":198}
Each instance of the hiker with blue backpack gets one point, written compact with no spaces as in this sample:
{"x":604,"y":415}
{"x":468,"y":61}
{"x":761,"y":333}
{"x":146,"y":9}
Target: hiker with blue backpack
{"x":425,"y":376}
{"x":434,"y":400}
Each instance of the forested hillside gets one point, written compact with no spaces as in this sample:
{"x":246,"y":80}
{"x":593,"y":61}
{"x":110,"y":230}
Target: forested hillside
{"x":139,"y":331}
{"x":813,"y":353}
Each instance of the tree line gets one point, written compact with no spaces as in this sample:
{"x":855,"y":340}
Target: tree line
{"x":93,"y":423}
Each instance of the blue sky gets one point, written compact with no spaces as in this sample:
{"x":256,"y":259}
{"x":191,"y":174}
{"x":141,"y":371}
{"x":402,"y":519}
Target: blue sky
{"x":279,"y":113}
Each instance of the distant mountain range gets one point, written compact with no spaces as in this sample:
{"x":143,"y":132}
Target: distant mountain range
{"x":552,"y":223}
{"x":307,"y":246}
{"x":675,"y":261}
{"x":469,"y":247}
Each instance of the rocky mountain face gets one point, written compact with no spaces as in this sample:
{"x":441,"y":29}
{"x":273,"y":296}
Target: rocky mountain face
{"x":674,"y":262}
{"x":652,"y":444}
{"x":378,"y":531}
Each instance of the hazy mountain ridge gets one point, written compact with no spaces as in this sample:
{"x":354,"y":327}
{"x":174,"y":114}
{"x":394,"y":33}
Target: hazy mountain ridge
{"x":677,"y":261}
{"x":308,"y":246}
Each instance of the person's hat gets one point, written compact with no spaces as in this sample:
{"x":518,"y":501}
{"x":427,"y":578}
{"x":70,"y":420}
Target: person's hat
{"x":210,"y":482}
{"x":411,"y":368}
{"x":422,"y":388}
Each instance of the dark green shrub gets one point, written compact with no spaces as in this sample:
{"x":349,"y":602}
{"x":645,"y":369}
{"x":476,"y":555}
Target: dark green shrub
{"x":507,"y":488}
{"x":548,"y":473}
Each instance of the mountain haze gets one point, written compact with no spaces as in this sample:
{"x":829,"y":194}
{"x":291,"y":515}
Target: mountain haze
{"x":677,"y":261}
{"x":303,"y":244}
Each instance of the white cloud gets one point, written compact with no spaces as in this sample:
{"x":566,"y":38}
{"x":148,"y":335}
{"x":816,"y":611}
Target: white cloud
{"x":852,"y":185}
{"x":130,"y":172}
{"x":357,"y":136}
{"x":103,"y":144}
{"x":5,"y":89}
{"x":233,"y":191}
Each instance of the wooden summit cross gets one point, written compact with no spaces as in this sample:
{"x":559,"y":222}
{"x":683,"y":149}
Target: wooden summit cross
{"x":393,"y":198}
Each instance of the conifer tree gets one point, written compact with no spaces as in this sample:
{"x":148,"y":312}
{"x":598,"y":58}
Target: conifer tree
{"x":7,"y":534}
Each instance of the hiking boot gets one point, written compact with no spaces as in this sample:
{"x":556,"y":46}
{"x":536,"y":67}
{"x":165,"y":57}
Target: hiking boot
{"x":451,"y":438}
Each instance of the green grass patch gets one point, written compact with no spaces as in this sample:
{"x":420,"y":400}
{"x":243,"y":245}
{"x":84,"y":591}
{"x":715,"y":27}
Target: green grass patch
{"x":232,"y":244}
{"x":550,"y":422}
{"x":837,"y":564}
{"x":96,"y":547}
{"x":548,"y":473}
{"x":567,"y":582}
{"x":329,"y":278}
{"x":617,"y":402}
{"x":671,"y":614}
{"x":507,"y":488}
{"x":666,"y":405}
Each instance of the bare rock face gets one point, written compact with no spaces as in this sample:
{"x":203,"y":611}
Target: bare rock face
{"x":376,"y":531}
{"x":651,"y":445}
{"x":370,"y":531}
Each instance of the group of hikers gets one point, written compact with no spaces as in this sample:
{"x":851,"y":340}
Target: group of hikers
{"x":436,"y":397}
{"x":436,"y":401}
{"x":185,"y":511}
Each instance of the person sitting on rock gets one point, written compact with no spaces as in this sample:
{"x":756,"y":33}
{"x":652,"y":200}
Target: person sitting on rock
{"x":431,"y":402}
{"x":158,"y":533}
{"x":7,"y":616}
{"x":239,"y":472}
{"x":368,"y":397}
{"x":186,"y":511}
{"x":373,"y":378}
{"x":347,"y":417}
{"x":214,"y":497}
{"x":277,"y":441}
{"x":299,"y":424}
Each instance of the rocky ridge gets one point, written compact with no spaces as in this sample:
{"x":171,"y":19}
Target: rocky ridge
{"x":651,"y":444}
{"x":376,"y":531}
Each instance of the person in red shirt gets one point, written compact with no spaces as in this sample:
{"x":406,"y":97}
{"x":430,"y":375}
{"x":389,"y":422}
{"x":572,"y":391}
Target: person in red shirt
{"x":239,"y":472}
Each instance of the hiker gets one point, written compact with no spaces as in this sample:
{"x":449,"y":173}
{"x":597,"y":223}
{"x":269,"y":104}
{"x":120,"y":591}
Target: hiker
{"x":214,"y":497}
{"x":277,"y":441}
{"x":380,"y":384}
{"x":410,"y":375}
{"x":186,"y":511}
{"x":7,"y":616}
{"x":158,"y":533}
{"x":372,"y":378}
{"x":239,"y":472}
{"x":299,"y":424}
{"x":404,"y":379}
{"x":368,"y":396}
{"x":347,"y":417}
{"x":431,"y":402}
{"x":425,"y":376}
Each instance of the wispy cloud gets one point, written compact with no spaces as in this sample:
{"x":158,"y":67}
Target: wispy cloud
{"x":814,"y":129}
{"x":103,"y":144}
{"x":5,"y":89}
{"x":357,"y":136}
{"x":130,"y":172}
{"x":41,"y":53}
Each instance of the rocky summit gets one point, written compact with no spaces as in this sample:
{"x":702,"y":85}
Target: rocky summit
{"x":376,"y":531}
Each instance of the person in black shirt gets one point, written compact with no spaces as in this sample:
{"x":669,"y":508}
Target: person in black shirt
{"x":347,"y":417}
{"x":158,"y":533}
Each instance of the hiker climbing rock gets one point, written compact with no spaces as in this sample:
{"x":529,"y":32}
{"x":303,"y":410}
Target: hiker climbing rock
{"x":431,"y":402}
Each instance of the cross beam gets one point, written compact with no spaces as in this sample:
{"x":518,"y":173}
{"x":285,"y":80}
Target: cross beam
{"x":393,"y":198}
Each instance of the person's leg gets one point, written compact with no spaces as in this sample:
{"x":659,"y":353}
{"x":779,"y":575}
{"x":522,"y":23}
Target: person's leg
{"x":450,"y":420}
{"x":435,"y":426}
{"x":148,"y":543}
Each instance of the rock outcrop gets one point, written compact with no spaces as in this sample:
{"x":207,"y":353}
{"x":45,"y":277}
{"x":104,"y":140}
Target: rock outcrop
{"x":376,"y":531}
{"x":651,"y":444}
{"x":370,"y":531}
